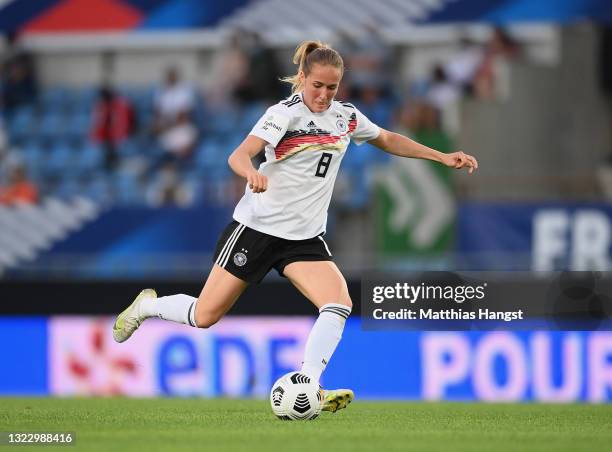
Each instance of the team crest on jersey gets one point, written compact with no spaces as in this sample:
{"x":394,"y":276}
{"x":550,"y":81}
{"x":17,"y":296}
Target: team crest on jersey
{"x":341,"y":125}
{"x":240,"y":259}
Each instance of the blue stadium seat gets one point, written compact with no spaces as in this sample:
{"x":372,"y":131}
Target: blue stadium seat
{"x":52,"y":125}
{"x":211,"y":155}
{"x":98,"y":188}
{"x":55,"y":99}
{"x":69,"y":187}
{"x":22,"y":124}
{"x":61,"y":160}
{"x":355,"y":158}
{"x":353,"y":171}
{"x":231,"y":143}
{"x":77,"y":126}
{"x":379,"y":113}
{"x":250,"y":116}
{"x":35,"y":158}
{"x":195,"y":183}
{"x":84,"y":100}
{"x":375,"y":155}
{"x":128,"y":189}
{"x":199,"y":115}
{"x":90,"y":158}
{"x":222,"y":122}
{"x":140,"y":97}
{"x":128,"y":148}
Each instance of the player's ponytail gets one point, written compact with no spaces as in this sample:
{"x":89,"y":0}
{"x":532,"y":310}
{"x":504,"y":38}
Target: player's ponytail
{"x":306,"y":55}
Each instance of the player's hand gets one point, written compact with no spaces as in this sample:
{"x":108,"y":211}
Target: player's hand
{"x":258,"y":183}
{"x":460,"y":160}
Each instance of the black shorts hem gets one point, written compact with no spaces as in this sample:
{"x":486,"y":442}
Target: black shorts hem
{"x":249,"y":279}
{"x":280,"y":267}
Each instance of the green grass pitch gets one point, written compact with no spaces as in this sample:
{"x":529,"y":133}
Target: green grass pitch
{"x":147,"y":425}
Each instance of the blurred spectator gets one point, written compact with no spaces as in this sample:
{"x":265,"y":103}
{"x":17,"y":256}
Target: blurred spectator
{"x":172,"y":99}
{"x":179,"y":139}
{"x":422,"y":122}
{"x":18,"y":189}
{"x":168,"y":190}
{"x":445,"y":96}
{"x":113,"y":123}
{"x":261,"y":82}
{"x":19,"y":85}
{"x":230,"y":68}
{"x":3,"y":140}
{"x":462,"y":66}
{"x":368,"y":59}
{"x":490,"y":81}
{"x":372,"y":105}
{"x":441,"y":90}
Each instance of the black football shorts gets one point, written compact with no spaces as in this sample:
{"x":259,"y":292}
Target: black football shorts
{"x":249,"y":254}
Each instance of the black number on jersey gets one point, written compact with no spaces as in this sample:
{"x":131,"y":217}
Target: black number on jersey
{"x":323,"y":164}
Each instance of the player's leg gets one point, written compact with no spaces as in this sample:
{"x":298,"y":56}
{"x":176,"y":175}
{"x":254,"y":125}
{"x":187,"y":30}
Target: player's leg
{"x":323,"y":284}
{"x":230,"y":275}
{"x":319,"y":281}
{"x":219,"y":294}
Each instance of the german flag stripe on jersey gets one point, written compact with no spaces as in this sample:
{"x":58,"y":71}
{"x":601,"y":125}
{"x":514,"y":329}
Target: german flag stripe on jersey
{"x":300,"y":140}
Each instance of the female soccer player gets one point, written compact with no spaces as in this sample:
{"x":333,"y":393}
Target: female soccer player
{"x":280,"y":221}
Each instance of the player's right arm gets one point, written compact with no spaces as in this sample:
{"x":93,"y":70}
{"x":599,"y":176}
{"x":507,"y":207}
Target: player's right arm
{"x":270,"y":129}
{"x":240,"y":163}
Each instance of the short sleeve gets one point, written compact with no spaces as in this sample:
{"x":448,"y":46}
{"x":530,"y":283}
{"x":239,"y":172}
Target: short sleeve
{"x":366,"y":130}
{"x":271,"y":127}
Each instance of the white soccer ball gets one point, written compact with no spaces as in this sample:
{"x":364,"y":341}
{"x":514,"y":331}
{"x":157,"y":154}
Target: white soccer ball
{"x":296,"y":396}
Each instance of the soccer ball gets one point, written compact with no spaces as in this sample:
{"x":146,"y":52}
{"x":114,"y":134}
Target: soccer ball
{"x":296,"y":396}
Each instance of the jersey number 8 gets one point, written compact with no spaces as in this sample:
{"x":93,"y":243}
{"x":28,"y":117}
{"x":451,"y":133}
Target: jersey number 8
{"x":323,"y":165}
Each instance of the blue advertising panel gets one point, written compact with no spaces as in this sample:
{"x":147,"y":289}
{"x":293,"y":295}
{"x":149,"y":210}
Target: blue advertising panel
{"x":76,"y":356}
{"x":541,"y":237}
{"x":508,"y":11}
{"x":136,"y":242}
{"x":507,"y":366}
{"x":23,"y":353}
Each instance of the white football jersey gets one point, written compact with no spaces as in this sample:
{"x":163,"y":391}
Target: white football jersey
{"x":303,"y":156}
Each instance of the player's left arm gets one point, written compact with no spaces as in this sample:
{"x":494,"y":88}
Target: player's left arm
{"x":402,"y":146}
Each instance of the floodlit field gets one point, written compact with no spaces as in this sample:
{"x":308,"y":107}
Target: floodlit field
{"x":229,"y":425}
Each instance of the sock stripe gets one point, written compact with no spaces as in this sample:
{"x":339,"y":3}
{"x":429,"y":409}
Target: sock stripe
{"x":192,"y":323}
{"x":345,"y":313}
{"x":336,"y":308}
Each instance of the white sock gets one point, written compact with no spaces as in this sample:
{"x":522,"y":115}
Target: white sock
{"x":323,"y":338}
{"x":178,"y":308}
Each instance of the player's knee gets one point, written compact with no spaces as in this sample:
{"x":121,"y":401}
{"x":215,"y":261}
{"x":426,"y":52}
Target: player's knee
{"x":346,"y":301}
{"x":206,"y":319}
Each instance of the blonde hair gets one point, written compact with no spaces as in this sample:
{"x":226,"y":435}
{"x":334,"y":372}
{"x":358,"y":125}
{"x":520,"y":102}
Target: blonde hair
{"x":309,"y":53}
